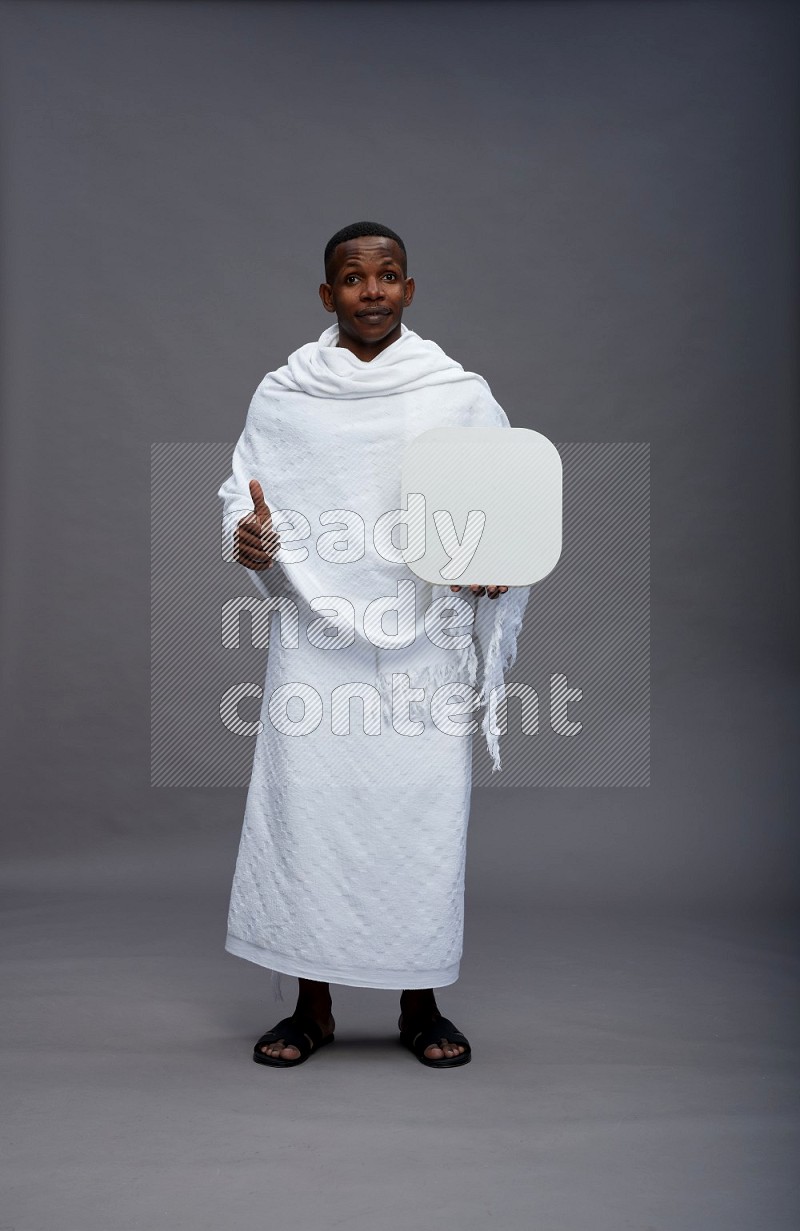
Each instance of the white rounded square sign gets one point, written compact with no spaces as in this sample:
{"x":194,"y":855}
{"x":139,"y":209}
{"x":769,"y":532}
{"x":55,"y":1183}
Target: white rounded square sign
{"x":482,"y":506}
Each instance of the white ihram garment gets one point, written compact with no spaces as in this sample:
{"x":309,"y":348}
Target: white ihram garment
{"x":351,"y":861}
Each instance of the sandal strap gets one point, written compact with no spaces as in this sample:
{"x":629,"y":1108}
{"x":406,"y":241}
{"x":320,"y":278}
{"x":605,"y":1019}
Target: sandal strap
{"x":301,"y":1032}
{"x":433,"y":1033}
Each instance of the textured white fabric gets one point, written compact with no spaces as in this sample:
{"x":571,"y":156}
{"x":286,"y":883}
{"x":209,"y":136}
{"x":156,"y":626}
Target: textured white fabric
{"x":351,"y":861}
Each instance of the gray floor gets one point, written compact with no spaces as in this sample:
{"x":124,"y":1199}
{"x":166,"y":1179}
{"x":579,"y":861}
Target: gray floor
{"x":630,"y":1071}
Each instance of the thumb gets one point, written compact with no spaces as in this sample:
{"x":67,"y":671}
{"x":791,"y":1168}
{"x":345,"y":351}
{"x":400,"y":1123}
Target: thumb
{"x":259,"y":503}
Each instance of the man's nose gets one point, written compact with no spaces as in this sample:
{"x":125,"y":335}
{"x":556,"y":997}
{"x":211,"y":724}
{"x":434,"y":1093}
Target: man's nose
{"x":372,"y":288}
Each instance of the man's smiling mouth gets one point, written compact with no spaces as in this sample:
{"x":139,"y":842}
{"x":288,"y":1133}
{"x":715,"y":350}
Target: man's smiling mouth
{"x":374,"y":312}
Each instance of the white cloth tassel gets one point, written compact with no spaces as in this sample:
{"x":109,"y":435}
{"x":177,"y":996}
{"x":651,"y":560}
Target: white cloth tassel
{"x":500,"y":654}
{"x":277,"y":990}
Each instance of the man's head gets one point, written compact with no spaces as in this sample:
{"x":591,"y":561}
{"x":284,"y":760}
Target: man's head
{"x":366,"y":286}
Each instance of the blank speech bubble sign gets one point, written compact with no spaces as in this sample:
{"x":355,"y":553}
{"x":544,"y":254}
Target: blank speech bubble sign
{"x":482,"y":506}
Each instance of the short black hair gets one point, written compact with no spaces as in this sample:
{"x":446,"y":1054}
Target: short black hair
{"x":358,"y":230}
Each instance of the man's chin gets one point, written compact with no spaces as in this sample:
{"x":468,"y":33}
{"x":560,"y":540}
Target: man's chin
{"x":367,"y":333}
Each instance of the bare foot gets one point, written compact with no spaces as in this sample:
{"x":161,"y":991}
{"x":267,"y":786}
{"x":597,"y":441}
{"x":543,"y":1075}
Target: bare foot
{"x":420,"y":1008}
{"x":279,"y":1051}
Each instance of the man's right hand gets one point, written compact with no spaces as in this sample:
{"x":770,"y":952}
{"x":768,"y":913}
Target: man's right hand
{"x":256,"y":541}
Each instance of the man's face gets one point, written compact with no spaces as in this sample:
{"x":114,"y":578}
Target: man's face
{"x":368,"y":291}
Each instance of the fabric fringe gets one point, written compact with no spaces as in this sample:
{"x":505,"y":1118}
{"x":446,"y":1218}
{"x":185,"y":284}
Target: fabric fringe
{"x":277,"y":990}
{"x":500,"y":655}
{"x":506,"y":614}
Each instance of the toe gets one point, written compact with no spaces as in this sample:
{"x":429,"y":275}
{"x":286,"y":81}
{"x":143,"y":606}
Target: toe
{"x":277,"y":1051}
{"x":447,"y":1050}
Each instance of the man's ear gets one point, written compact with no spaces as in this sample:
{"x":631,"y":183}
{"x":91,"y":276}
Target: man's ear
{"x":409,"y":295}
{"x":325,"y":296}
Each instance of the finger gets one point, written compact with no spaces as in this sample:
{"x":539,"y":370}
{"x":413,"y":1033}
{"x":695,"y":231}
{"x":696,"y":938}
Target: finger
{"x":251,"y":549}
{"x":250,"y":532}
{"x":479,"y":590}
{"x":255,"y":548}
{"x":255,"y":535}
{"x":249,"y":553}
{"x":249,"y":524}
{"x":493,"y":592}
{"x":259,"y":503}
{"x":269,"y":538}
{"x":455,"y":588}
{"x":254,"y":559}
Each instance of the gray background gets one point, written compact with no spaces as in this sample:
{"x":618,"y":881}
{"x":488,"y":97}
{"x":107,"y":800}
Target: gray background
{"x":600,"y":206}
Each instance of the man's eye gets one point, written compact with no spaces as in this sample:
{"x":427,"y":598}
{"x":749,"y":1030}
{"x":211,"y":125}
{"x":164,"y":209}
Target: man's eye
{"x":349,"y":276}
{"x":389,"y":274}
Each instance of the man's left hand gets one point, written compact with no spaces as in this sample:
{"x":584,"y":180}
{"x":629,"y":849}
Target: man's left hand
{"x":491,"y":591}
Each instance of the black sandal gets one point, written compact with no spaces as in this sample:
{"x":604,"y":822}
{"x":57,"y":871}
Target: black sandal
{"x":416,"y":1040}
{"x":300,"y":1032}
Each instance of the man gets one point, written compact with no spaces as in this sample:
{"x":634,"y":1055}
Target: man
{"x":351,"y":862}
